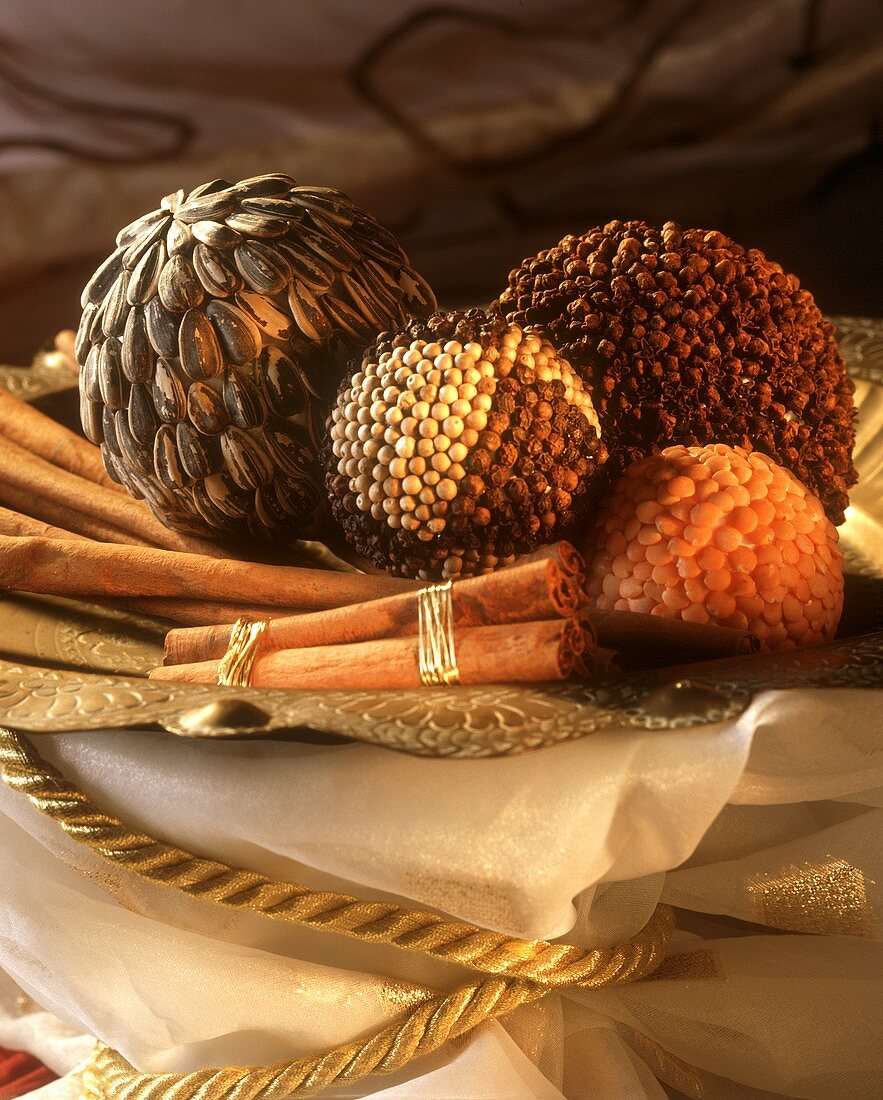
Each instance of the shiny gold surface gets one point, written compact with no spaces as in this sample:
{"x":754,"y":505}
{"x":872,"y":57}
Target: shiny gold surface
{"x":73,"y":666}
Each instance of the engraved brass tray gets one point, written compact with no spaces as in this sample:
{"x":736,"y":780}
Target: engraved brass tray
{"x":68,"y":666}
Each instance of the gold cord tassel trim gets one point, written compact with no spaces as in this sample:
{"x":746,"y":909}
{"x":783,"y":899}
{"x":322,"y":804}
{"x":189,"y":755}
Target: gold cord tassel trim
{"x":518,"y":970}
{"x":236,"y":665}
{"x":438,"y":659}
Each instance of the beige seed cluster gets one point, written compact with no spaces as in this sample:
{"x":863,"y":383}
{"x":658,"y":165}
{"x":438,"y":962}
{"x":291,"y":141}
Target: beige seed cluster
{"x":716,"y":535}
{"x":403,"y":431}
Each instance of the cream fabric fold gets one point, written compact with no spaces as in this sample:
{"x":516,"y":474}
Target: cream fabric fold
{"x":751,"y":829}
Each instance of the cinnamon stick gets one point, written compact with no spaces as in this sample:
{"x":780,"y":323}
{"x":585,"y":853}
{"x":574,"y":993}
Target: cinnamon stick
{"x":83,"y":569}
{"x":536,"y":589}
{"x":52,"y":489}
{"x":47,"y":514}
{"x":648,"y":641}
{"x":41,"y":435}
{"x":518,"y":652}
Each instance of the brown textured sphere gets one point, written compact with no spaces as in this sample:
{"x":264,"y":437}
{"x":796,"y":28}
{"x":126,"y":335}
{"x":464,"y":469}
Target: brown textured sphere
{"x":458,"y":443}
{"x":684,"y":336}
{"x":718,"y":535}
{"x":214,"y":338}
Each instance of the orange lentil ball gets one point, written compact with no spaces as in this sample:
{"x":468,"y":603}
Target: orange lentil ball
{"x":717,"y":535}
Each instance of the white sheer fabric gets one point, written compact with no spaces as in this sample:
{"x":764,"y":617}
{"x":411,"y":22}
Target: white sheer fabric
{"x":752,"y":829}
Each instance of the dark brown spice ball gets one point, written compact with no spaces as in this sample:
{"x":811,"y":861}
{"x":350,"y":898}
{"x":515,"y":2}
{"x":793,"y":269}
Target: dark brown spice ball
{"x":433,"y":466}
{"x":684,"y":336}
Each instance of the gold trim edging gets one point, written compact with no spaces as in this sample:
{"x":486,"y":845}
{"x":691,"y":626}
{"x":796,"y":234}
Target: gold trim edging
{"x":516,"y":971}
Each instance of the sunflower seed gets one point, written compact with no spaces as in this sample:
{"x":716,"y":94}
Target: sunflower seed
{"x":200,"y":454}
{"x":205,"y":407}
{"x":136,"y":229}
{"x":198,"y":346}
{"x":179,"y":288}
{"x":89,"y":374}
{"x":300,"y":496}
{"x":419,"y":298}
{"x":169,"y":396}
{"x":162,"y":329}
{"x":268,"y":509}
{"x":289,"y":445}
{"x":208,"y":207}
{"x":262,"y":266}
{"x":90,"y":418}
{"x":138,"y":355}
{"x":215,"y":271}
{"x":327,"y":202}
{"x":378,"y":243}
{"x":309,"y":317}
{"x":114,"y":317}
{"x":283,"y":383}
{"x":276,"y":207}
{"x":270,"y":320}
{"x":308,"y":269}
{"x":83,"y":342}
{"x":258,"y":225}
{"x":209,"y":188}
{"x":344,"y":316}
{"x":166,"y":462}
{"x":132,"y":450}
{"x":142,"y":243}
{"x":173,"y":201}
{"x":116,"y":470}
{"x":382,"y":282}
{"x":178,"y":238}
{"x":108,"y":429}
{"x":110,"y":375}
{"x":365,"y":302}
{"x":239,"y":336}
{"x":226,"y":495}
{"x":143,"y":421}
{"x":261,"y":186}
{"x":243,"y":400}
{"x":328,"y":246}
{"x":216,"y":234}
{"x":246,"y":458}
{"x":103,"y":279}
{"x":146,"y":275}
{"x":210,"y":512}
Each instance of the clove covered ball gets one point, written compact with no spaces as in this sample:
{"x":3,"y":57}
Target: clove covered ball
{"x":459,"y":443}
{"x":214,"y":337}
{"x":684,"y":336}
{"x":717,"y":535}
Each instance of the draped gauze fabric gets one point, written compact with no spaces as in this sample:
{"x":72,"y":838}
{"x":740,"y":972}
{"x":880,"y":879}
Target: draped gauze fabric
{"x":764,"y":833}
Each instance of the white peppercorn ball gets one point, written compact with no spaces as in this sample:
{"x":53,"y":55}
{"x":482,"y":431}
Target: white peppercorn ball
{"x":459,"y":443}
{"x":214,"y":338}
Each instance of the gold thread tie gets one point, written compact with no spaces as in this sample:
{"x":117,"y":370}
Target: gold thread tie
{"x":438,"y":658}
{"x":237,"y":664}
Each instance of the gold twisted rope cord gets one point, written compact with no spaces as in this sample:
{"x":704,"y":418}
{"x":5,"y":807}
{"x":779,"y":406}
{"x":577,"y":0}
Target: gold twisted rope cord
{"x":435,"y":617}
{"x":235,"y":667}
{"x":518,"y":971}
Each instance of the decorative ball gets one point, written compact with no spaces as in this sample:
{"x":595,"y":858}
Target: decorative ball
{"x":213,"y":340}
{"x":684,"y":336}
{"x":460,"y":442}
{"x":717,"y":535}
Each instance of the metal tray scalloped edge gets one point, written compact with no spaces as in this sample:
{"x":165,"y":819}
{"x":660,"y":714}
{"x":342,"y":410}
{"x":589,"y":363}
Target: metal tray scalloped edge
{"x":82,"y":668}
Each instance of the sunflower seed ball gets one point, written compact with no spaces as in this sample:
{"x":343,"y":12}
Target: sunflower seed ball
{"x":717,"y":535}
{"x":212,"y":342}
{"x":684,"y":336}
{"x":490,"y":446}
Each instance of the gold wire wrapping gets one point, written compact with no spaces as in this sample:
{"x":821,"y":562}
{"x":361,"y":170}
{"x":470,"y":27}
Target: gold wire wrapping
{"x":438,"y":659}
{"x":235,"y":667}
{"x":516,"y":971}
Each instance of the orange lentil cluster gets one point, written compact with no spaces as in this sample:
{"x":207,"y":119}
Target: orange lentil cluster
{"x":717,"y":535}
